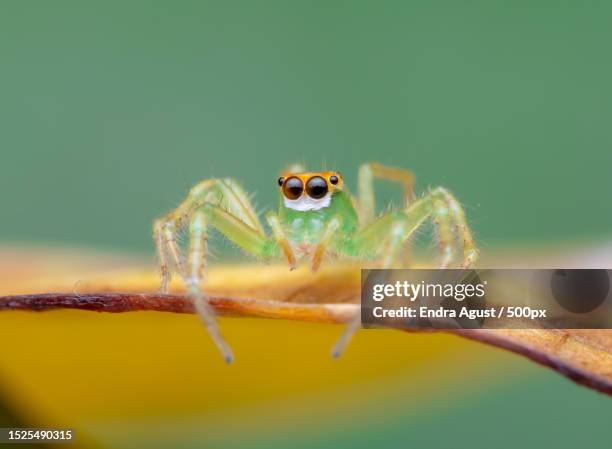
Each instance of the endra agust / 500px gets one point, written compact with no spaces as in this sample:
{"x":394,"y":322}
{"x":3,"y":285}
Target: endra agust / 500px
{"x":493,"y":298}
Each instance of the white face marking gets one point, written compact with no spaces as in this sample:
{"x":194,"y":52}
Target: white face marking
{"x":305,"y":203}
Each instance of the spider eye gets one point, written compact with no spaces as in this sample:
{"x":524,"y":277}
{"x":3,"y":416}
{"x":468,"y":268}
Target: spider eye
{"x":316,"y":187}
{"x":333,"y":179}
{"x":280,"y":181}
{"x":293,"y":188}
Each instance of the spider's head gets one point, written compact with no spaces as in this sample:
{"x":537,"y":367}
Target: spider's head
{"x":309,"y":191}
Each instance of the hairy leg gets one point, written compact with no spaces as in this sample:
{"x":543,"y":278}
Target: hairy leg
{"x":366,"y":202}
{"x":281,"y":239}
{"x":444,"y":209}
{"x":445,"y":233}
{"x":367,"y":174}
{"x":198,"y":245}
{"x":457,"y":219}
{"x":225,"y":193}
{"x":218,"y":202}
{"x":327,"y":236}
{"x":235,"y":230}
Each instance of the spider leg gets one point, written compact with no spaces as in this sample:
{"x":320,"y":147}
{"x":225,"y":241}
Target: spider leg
{"x":445,"y":232}
{"x":236,"y":231}
{"x":198,"y":243}
{"x":333,"y":225}
{"x":367,"y":173}
{"x":448,"y":215}
{"x":456,"y":220}
{"x":366,"y":203}
{"x":281,"y":239}
{"x":440,"y":205}
{"x":167,"y":227}
{"x":221,"y":203}
{"x":226,"y":193}
{"x":162,"y":236}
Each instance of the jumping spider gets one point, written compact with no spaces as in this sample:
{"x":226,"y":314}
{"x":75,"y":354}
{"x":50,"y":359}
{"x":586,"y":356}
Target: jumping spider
{"x":317,"y":216}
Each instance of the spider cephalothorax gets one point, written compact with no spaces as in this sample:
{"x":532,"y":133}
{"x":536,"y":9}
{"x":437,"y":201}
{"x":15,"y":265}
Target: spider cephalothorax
{"x":316,"y":217}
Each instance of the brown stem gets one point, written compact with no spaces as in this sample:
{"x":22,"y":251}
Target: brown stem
{"x":331,"y":313}
{"x":130,"y":302}
{"x":106,"y":302}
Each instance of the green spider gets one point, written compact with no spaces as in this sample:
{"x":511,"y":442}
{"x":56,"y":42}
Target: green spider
{"x":317,"y":216}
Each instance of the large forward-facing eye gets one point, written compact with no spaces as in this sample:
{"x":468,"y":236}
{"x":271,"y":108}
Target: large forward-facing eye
{"x":316,"y":187}
{"x":293,"y":188}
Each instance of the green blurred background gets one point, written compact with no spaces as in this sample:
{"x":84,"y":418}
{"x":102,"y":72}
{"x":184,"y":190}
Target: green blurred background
{"x":110,"y":111}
